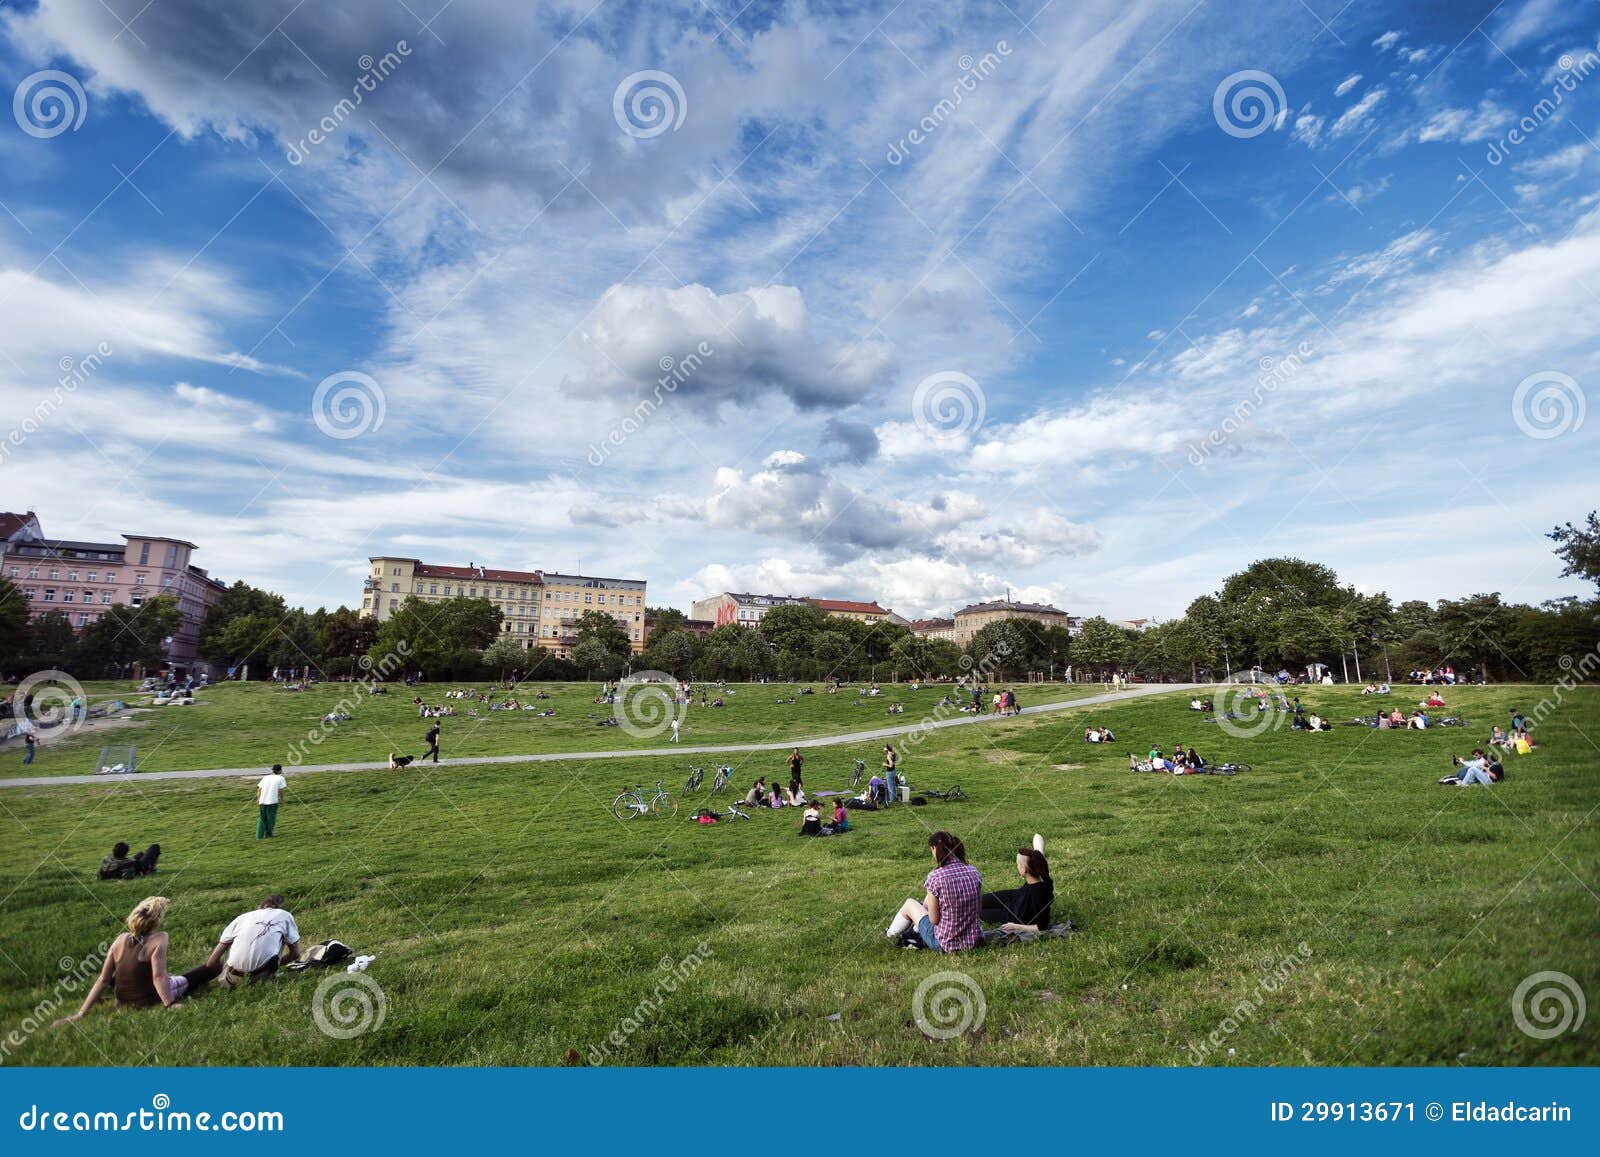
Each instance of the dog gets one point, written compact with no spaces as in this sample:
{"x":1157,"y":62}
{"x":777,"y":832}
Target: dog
{"x":397,"y":762}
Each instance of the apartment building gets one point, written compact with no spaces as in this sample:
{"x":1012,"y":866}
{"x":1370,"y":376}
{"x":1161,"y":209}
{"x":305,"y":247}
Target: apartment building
{"x":934,"y":629}
{"x":85,"y":579}
{"x":968,"y":621}
{"x":538,"y":608}
{"x":745,"y":609}
{"x":851,"y":609}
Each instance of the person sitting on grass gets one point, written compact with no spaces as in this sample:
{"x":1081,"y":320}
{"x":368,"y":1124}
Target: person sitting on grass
{"x":757,"y":795}
{"x":877,"y":791}
{"x":841,"y":818}
{"x":1498,"y":738}
{"x":1024,"y":909}
{"x":797,"y":793}
{"x":1434,"y":699}
{"x":135,"y":967}
{"x":1194,"y":761}
{"x":947,"y":918}
{"x":811,"y":821}
{"x":1418,"y":721}
{"x":1522,"y":742}
{"x":252,"y":946}
{"x":1370,"y":689}
{"x":111,"y":866}
{"x":1315,"y":722}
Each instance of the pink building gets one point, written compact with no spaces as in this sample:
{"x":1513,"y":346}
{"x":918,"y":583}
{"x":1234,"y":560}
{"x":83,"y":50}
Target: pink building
{"x":83,"y":579}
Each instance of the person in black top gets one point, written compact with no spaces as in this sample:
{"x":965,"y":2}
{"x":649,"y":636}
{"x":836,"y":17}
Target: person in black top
{"x":1026,"y":908}
{"x":432,"y":740}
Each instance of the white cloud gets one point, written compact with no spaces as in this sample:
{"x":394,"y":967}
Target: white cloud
{"x":1465,"y":125}
{"x":1356,"y":116}
{"x":1308,"y":128}
{"x":1387,"y":41}
{"x":1347,"y":84}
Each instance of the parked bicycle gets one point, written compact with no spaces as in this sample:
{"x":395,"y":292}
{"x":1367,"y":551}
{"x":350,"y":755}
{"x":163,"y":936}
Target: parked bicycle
{"x":720,"y":780}
{"x":954,"y":792}
{"x":636,"y":802}
{"x":692,"y":784}
{"x":859,"y":771}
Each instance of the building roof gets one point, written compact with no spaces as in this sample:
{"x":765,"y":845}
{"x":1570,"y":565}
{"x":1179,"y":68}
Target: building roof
{"x":747,"y":599}
{"x":848,"y":606}
{"x":161,"y":538}
{"x":429,"y":570}
{"x":919,"y":625}
{"x":1009,"y":605}
{"x":11,"y":522}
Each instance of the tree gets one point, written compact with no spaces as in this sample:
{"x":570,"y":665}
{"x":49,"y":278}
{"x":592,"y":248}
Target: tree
{"x":15,"y":636}
{"x":445,"y":638}
{"x":831,"y":649}
{"x":663,"y":619}
{"x":347,"y":634}
{"x":1476,"y":631}
{"x":123,"y":636}
{"x":505,"y":654}
{"x":912,"y":654}
{"x":237,"y":601}
{"x":51,"y":634}
{"x":602,"y":628}
{"x":244,"y":638}
{"x":793,"y":627}
{"x":1100,"y":645}
{"x":673,"y":651}
{"x":1579,"y":548}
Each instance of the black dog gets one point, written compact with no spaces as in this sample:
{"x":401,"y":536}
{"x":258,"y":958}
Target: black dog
{"x":396,"y":762}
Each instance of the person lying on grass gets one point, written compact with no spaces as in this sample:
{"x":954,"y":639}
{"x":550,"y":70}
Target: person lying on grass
{"x":947,"y":918}
{"x":135,"y":967}
{"x":1027,"y":908}
{"x":1479,"y":769}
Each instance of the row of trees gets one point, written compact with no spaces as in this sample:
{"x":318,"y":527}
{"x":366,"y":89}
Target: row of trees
{"x":1276,"y":613}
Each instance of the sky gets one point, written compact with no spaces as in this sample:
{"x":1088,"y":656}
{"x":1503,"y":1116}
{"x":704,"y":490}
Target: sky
{"x":1095,"y":302}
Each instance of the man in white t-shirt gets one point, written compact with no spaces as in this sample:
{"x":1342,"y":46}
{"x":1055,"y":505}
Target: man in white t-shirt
{"x":253,"y":945}
{"x":269,"y":790}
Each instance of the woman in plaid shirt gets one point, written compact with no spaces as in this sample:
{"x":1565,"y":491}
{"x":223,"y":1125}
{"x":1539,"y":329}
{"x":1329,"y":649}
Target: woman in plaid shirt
{"x":947,"y":918}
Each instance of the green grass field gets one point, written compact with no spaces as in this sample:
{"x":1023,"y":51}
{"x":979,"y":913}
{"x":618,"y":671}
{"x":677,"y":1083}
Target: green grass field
{"x":257,"y":724}
{"x":516,"y":922}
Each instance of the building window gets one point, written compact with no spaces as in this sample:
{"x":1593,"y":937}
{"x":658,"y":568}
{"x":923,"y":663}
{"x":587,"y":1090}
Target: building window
{"x":138,"y":580}
{"x":144,"y":554}
{"x":392,"y":603}
{"x":49,"y":594}
{"x":433,"y":589}
{"x":396,"y":570}
{"x":172,"y":556}
{"x":28,"y":594}
{"x":91,"y":577}
{"x":394,"y":588}
{"x":54,"y":573}
{"x":105,"y":598}
{"x":33,"y":572}
{"x":83,"y":619}
{"x":137,"y":600}
{"x":111,"y":576}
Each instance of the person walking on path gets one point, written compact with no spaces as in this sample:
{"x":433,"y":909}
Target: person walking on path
{"x":432,"y":740}
{"x":269,"y":791}
{"x":674,"y":729}
{"x":29,"y":746}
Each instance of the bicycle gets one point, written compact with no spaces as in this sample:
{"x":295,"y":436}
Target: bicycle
{"x":691,"y":785}
{"x":720,"y":781}
{"x":1225,"y":768}
{"x":860,"y":770}
{"x":954,"y":792}
{"x":634,"y":803}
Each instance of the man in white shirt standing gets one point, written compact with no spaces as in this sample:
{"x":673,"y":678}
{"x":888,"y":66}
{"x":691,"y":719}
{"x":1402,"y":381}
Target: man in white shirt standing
{"x":269,"y":790}
{"x":253,"y":945}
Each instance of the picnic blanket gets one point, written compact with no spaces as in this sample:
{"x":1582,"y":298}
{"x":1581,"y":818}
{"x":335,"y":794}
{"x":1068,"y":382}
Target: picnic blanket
{"x":1058,"y":929}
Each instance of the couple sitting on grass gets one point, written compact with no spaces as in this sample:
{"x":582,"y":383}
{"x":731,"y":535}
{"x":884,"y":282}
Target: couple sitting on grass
{"x":952,"y":912}
{"x":251,"y":948}
{"x":811,"y":819}
{"x":1479,"y":769}
{"x":119,"y":865}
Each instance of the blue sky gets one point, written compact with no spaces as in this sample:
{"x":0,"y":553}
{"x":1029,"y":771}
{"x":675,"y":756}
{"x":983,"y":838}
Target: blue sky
{"x":1095,"y":301}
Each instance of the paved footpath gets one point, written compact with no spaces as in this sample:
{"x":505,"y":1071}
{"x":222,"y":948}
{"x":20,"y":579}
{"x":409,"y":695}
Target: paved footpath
{"x":145,"y":777}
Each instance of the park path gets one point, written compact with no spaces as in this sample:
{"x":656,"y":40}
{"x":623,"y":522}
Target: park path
{"x":676,"y":749}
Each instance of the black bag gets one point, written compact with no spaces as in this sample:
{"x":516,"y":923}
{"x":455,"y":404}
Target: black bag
{"x":324,"y":955}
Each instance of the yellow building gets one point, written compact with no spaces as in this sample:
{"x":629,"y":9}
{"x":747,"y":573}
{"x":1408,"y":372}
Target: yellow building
{"x":970,"y":620}
{"x":537,"y":608}
{"x":850,"y":609}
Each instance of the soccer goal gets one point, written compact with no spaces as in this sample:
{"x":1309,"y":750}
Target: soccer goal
{"x":118,"y":759}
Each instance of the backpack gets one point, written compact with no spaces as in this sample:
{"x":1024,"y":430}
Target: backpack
{"x":324,"y":955}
